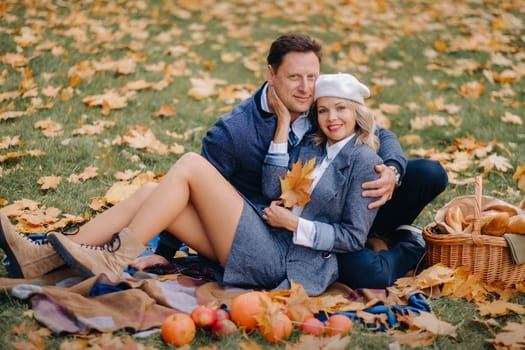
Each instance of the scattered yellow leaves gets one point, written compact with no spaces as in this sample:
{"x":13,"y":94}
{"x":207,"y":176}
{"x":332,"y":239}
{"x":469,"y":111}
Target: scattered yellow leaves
{"x":512,"y":119}
{"x":50,"y":127}
{"x":88,"y":173}
{"x":433,"y":276}
{"x":165,"y":111}
{"x":309,"y":341}
{"x":36,"y":337}
{"x":10,"y":155}
{"x":49,"y":182}
{"x":8,"y":141}
{"x":390,"y":108}
{"x":295,"y":187}
{"x":11,"y":114}
{"x":14,"y":59}
{"x":34,"y":218}
{"x":123,"y":189}
{"x":472,"y":90}
{"x":499,"y":308}
{"x":142,"y":137}
{"x":203,"y":88}
{"x":519,"y":176}
{"x":422,"y":329}
{"x":108,"y":101}
{"x":512,"y":337}
{"x":105,"y":341}
{"x":296,"y":301}
{"x":93,"y":129}
{"x":467,"y":152}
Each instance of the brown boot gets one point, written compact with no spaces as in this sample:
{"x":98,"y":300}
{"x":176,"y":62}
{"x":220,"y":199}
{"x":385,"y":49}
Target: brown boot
{"x":27,"y":258}
{"x":111,"y":258}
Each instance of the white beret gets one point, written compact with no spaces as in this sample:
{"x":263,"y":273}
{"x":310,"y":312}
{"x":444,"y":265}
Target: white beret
{"x":341,"y":85}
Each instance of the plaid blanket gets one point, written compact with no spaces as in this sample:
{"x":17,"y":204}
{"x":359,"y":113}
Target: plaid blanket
{"x":67,"y":303}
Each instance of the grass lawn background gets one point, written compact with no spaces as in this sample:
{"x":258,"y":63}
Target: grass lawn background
{"x":446,"y":77}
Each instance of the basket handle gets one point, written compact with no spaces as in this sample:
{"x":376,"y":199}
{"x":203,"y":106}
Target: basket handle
{"x":476,"y":230}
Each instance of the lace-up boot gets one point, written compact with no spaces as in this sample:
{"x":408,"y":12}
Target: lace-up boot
{"x":26,"y":258}
{"x":110,"y":258}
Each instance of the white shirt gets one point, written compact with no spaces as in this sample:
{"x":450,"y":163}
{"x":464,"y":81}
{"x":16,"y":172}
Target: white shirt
{"x":305,"y":234}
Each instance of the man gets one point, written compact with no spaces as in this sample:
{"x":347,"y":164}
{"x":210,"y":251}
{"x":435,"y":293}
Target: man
{"x":238,"y":142}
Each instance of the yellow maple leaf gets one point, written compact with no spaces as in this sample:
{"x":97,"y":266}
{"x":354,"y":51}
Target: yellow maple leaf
{"x":165,"y":111}
{"x":120,"y":191}
{"x":430,"y":323}
{"x":472,"y":90}
{"x":296,"y":184}
{"x":88,"y":173}
{"x":497,"y":162}
{"x":512,"y":337}
{"x":49,"y":182}
{"x":499,"y":308}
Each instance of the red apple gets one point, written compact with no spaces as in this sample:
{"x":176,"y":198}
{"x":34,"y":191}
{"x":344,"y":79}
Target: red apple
{"x":312,"y":326}
{"x":223,"y":327}
{"x":222,"y":314}
{"x":204,"y":316}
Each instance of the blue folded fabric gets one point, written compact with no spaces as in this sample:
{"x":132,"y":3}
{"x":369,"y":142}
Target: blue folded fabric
{"x":417,"y":302}
{"x":102,"y":289}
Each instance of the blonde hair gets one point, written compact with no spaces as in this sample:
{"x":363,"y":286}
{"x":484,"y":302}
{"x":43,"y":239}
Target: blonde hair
{"x":365,"y":125}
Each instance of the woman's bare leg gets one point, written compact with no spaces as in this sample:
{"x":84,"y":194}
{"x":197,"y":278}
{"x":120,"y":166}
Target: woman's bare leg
{"x":98,"y":230}
{"x":113,"y":220}
{"x":193,"y":200}
{"x":192,"y":181}
{"x":187,"y":222}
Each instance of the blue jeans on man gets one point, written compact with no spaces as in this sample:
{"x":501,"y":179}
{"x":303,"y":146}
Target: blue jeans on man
{"x":424,"y":180}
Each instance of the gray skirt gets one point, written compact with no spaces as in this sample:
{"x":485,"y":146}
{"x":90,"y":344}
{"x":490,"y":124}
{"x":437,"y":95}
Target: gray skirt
{"x":258,"y":255}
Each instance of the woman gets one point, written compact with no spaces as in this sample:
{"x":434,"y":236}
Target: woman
{"x":198,"y":206}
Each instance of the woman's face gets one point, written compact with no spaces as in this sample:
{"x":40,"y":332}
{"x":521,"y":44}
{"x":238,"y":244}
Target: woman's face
{"x":336,"y":118}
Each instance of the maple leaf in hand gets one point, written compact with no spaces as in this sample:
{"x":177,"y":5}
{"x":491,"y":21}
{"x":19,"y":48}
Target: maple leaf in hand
{"x":296,"y":184}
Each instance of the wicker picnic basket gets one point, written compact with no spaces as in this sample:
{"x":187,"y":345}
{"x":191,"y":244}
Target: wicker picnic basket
{"x":487,"y":255}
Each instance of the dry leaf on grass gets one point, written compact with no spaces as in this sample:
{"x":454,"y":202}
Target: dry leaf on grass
{"x":49,"y":182}
{"x":512,"y":337}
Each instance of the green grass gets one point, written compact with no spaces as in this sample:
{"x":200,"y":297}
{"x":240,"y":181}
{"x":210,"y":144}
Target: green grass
{"x":395,"y":36}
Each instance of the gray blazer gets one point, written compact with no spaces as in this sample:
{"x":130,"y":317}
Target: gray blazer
{"x":337,"y":208}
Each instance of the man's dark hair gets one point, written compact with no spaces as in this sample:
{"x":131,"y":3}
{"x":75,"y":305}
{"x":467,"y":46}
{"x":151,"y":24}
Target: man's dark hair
{"x":291,"y":43}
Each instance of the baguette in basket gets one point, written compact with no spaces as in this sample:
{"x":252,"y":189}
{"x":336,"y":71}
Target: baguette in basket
{"x":456,"y":238}
{"x":497,"y":217}
{"x":517,"y":224}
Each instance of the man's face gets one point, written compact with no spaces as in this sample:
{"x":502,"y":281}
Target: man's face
{"x":294,"y":81}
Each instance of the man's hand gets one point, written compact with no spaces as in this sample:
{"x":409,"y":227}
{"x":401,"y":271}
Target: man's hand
{"x":382,"y":188}
{"x":143,"y":262}
{"x":278,"y":107}
{"x":283,"y":116}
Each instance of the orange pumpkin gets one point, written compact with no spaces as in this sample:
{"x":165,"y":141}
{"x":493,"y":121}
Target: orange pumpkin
{"x":246,"y":307}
